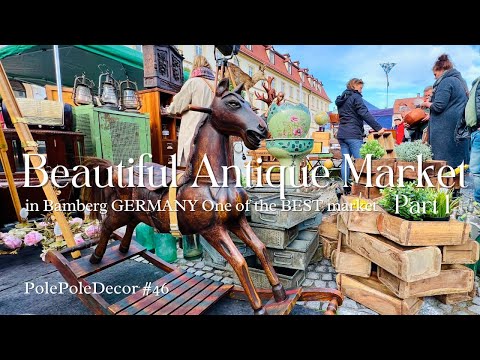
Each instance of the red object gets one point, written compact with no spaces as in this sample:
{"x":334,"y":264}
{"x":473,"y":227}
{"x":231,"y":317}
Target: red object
{"x":400,"y":129}
{"x":2,"y":122}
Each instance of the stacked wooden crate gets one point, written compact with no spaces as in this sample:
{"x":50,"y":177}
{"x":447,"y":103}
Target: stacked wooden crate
{"x":262,"y":158}
{"x":321,"y":142}
{"x":389,"y":264}
{"x":387,"y":141}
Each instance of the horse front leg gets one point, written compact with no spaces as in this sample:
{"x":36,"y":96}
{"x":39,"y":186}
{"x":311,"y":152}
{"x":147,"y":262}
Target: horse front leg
{"x":109,"y":225}
{"x":127,"y":237}
{"x":218,"y":237}
{"x":246,"y":234}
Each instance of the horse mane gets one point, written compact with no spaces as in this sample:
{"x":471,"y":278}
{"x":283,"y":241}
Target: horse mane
{"x":188,"y":169}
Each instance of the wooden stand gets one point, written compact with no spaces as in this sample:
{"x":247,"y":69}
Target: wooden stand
{"x":31,"y":147}
{"x":8,"y":174}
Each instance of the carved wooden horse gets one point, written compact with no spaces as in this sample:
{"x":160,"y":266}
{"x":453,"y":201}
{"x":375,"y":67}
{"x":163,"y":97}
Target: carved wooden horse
{"x":229,"y":115}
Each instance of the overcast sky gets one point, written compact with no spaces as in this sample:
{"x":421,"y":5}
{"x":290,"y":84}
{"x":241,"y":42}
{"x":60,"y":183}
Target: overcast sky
{"x":335,"y":65}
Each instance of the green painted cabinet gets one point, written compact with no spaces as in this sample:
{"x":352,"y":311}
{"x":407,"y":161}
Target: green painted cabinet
{"x":113,"y":135}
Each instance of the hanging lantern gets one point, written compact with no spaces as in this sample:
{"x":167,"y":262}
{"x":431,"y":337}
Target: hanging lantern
{"x":129,"y":99}
{"x":108,"y":90}
{"x":83,"y":90}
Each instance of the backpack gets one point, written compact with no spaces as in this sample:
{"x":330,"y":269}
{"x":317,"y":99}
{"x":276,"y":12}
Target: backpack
{"x":470,"y":108}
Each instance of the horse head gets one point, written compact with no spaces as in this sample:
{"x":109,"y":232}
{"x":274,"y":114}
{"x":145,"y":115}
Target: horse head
{"x":232,"y":115}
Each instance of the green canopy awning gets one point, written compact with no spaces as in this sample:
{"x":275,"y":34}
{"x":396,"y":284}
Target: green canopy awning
{"x":35,"y":64}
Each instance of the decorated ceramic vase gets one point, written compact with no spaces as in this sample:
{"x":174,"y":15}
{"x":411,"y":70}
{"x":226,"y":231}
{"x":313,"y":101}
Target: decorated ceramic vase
{"x":288,"y":120}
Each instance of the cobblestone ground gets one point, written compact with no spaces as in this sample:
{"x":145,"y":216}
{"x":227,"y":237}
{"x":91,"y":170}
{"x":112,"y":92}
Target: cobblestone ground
{"x":322,"y":274}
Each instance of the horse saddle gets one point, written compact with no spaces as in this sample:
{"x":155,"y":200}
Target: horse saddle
{"x":162,"y":176}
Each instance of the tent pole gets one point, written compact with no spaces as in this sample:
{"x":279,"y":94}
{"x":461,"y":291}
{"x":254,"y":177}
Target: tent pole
{"x":30,"y":146}
{"x":58,"y":75}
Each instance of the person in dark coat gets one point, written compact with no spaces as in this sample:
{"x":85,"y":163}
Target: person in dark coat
{"x":475,"y":140}
{"x":447,"y":107}
{"x":352,"y":112}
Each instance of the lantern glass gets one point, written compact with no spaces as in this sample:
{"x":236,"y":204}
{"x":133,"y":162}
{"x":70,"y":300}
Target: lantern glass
{"x":83,"y":95}
{"x":129,"y":99}
{"x":109,"y":95}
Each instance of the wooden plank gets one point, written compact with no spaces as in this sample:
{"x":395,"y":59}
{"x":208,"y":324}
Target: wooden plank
{"x":350,"y":263}
{"x":283,"y":307}
{"x":160,"y":302}
{"x":364,"y":219}
{"x":138,"y":295}
{"x":366,"y":192}
{"x":185,"y":297}
{"x":359,"y":163}
{"x":373,"y":294}
{"x":151,"y":298}
{"x":452,"y":279}
{"x":467,"y":253}
{"x":210,"y":300}
{"x":155,"y":260}
{"x":450,"y":299}
{"x":409,"y":264}
{"x":92,"y":301}
{"x":341,"y":225}
{"x":198,"y":298}
{"x":423,"y":233}
{"x":328,"y":227}
{"x":83,"y":267}
{"x":328,"y":246}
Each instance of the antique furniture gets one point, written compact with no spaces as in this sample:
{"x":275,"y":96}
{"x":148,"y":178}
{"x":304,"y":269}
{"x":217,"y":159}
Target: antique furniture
{"x":229,"y":115}
{"x":163,"y":67}
{"x":113,"y":135}
{"x":163,"y":145}
{"x":67,"y":94}
{"x":60,"y":148}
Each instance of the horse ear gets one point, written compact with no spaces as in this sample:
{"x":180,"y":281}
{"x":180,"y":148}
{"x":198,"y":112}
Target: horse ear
{"x":222,"y":86}
{"x":239,"y":89}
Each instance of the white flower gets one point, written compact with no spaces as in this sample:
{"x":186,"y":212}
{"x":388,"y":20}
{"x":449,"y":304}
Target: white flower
{"x":57,"y":230}
{"x":23,"y":213}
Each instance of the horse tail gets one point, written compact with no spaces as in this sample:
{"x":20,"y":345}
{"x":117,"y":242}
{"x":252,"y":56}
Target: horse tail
{"x":95,"y":194}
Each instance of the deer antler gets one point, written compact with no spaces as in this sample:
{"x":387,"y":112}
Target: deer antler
{"x":271,"y":93}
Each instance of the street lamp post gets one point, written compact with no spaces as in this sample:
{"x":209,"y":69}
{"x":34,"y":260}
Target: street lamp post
{"x":387,"y":67}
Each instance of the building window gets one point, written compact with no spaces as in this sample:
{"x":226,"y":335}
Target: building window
{"x":302,"y":76}
{"x":271,"y":56}
{"x":289,"y":67}
{"x":298,"y":95}
{"x":198,"y":50}
{"x":291,"y":92}
{"x":305,"y":99}
{"x":249,"y":47}
{"x":273,"y":84}
{"x":250,"y":71}
{"x":282,"y":87}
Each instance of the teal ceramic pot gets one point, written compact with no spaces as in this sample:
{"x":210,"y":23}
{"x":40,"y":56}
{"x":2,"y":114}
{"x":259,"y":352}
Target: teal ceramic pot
{"x":281,"y":148}
{"x":288,"y":120}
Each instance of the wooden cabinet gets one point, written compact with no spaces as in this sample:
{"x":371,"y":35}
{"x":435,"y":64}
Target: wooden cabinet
{"x":162,"y":146}
{"x":163,"y":67}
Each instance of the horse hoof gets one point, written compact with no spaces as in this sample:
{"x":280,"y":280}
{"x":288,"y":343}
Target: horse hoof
{"x":279,"y":293}
{"x":94,"y":259}
{"x":260,"y":311}
{"x":122,"y":249}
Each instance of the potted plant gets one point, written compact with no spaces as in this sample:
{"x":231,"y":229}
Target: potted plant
{"x":377,"y":152}
{"x":409,"y":217}
{"x":407,"y":155}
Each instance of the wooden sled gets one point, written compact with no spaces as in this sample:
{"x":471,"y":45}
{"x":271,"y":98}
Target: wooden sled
{"x":187,"y":294}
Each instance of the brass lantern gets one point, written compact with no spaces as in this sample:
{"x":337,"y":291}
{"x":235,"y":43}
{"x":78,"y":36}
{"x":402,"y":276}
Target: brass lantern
{"x":129,"y":99}
{"x":83,"y":90}
{"x":108,"y":90}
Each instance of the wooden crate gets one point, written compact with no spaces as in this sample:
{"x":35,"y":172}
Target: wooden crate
{"x":409,"y":264}
{"x":377,"y":179}
{"x":450,"y":299}
{"x":370,"y":292}
{"x":467,"y":253}
{"x":423,"y":233}
{"x":452,"y":279}
{"x":366,"y":192}
{"x":386,"y":140}
{"x":328,"y":227}
{"x":431,"y":168}
{"x":347,"y":261}
{"x":328,"y":246}
{"x":359,"y":220}
{"x":341,"y":226}
{"x":321,"y":135}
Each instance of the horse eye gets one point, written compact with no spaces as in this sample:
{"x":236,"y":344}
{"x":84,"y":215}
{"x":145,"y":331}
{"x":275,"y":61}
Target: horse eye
{"x":234,"y":104}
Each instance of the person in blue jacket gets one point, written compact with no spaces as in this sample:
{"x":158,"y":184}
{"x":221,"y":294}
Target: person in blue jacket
{"x":353,"y":112}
